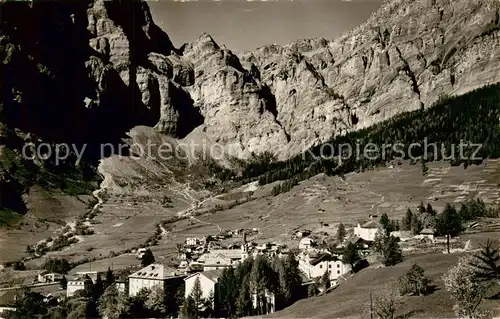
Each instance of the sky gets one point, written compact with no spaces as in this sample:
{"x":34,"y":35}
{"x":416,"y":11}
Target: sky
{"x":245,"y":25}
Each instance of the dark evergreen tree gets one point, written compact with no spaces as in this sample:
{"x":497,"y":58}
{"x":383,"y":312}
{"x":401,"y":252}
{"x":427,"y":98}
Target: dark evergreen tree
{"x":430,"y":210}
{"x":387,"y":248}
{"x":110,"y":278}
{"x":416,"y":225}
{"x":351,"y":256}
{"x":147,"y":258}
{"x":64,"y":282}
{"x":384,"y":221}
{"x":421,"y":208}
{"x":449,"y":224}
{"x":407,"y":220}
{"x":341,"y":233}
{"x":244,"y":301}
{"x":325,"y":280}
{"x":487,"y":263}
{"x":229,"y":292}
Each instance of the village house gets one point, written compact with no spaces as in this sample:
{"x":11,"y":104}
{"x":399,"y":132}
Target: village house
{"x":306,"y":243}
{"x":76,"y":283}
{"x":316,"y":265}
{"x":427,"y":234}
{"x":46,"y":277}
{"x":403,"y":235}
{"x":214,"y":262}
{"x":368,"y":230}
{"x":193,"y":241}
{"x":8,"y":299}
{"x":302,"y":233}
{"x":269,"y":301}
{"x":121,"y":286}
{"x":154,"y":275}
{"x":208,"y":282}
{"x":221,"y":258}
{"x":92,"y":274}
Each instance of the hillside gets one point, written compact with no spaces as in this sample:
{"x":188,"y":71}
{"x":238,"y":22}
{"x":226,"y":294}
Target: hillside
{"x":352,"y":298}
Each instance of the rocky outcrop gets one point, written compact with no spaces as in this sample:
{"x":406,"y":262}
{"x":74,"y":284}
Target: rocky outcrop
{"x":407,"y":55}
{"x":280,"y":99}
{"x":284,"y":99}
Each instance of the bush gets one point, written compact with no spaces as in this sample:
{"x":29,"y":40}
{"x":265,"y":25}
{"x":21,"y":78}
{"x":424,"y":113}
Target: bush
{"x":60,"y":266}
{"x":18,"y":265}
{"x":414,"y":282}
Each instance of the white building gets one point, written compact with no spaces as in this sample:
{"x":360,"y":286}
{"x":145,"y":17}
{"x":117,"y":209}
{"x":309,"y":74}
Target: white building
{"x":269,"y":303}
{"x":403,"y":235}
{"x":77,"y":283}
{"x":368,"y":230}
{"x":46,"y":277}
{"x":315,"y":266}
{"x":121,"y":286}
{"x":306,"y":243}
{"x":152,"y":276}
{"x":427,"y":233}
{"x":208,"y":282}
{"x":222,"y":258}
{"x":216,"y":262}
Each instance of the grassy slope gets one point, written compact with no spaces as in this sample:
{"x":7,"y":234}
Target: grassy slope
{"x":351,"y":298}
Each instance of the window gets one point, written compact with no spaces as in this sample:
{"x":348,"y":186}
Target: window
{"x":320,"y":266}
{"x":330,"y":266}
{"x":338,"y":272}
{"x":338,"y":265}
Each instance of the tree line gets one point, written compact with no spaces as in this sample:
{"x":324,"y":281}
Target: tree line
{"x":471,"y":118}
{"x":254,"y":278}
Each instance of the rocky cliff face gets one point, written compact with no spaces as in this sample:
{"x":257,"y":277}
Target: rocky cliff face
{"x":283,"y":99}
{"x":113,"y":68}
{"x":404,"y":57}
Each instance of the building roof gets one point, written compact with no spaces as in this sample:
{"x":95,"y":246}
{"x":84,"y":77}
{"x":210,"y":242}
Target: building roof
{"x":218,"y":260}
{"x":155,"y":271}
{"x":322,"y":257}
{"x":306,"y":241}
{"x":221,"y":253}
{"x":372,"y":224}
{"x":428,"y":231}
{"x":8,"y":298}
{"x":213,"y":275}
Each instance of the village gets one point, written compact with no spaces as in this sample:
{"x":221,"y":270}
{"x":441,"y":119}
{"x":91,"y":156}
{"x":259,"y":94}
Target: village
{"x":200,"y":263}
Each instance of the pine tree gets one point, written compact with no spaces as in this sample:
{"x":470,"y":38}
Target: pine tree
{"x":421,"y":208}
{"x":64,"y":282}
{"x":407,"y":220}
{"x":196,"y":296}
{"x":188,"y":309}
{"x":156,"y":302}
{"x":351,"y":256}
{"x":262,"y":278}
{"x":147,"y":258}
{"x":244,"y":301}
{"x":98,"y":288}
{"x":108,"y":303}
{"x":486,"y":263}
{"x":430,"y":210}
{"x":228,"y":289}
{"x":110,"y":278}
{"x":294,"y":276}
{"x":325,"y":280}
{"x":384,"y":221}
{"x":449,"y":223}
{"x":387,"y":248}
{"x":341,"y":233}
{"x":416,"y":225}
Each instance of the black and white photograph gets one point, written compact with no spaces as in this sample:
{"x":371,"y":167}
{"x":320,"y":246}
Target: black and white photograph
{"x":189,"y":159}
